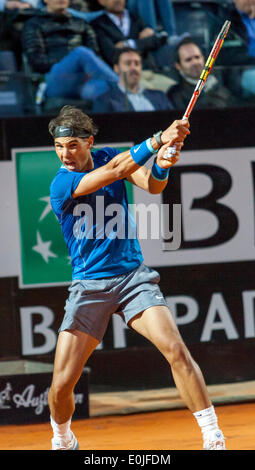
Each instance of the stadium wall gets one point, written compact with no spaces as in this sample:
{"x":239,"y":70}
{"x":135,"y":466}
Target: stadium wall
{"x":208,"y":281}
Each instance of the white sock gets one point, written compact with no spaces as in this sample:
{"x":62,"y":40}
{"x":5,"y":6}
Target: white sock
{"x":207,"y":420}
{"x":61,"y":431}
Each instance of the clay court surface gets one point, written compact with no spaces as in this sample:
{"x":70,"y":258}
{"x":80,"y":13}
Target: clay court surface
{"x":152,"y":420}
{"x":164,"y":430}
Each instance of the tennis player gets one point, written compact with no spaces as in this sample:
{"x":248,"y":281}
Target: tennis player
{"x":108,"y":273}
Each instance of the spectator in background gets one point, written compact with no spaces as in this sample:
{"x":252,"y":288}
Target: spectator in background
{"x":243,"y":23}
{"x":118,"y":28}
{"x":158,"y":15}
{"x":129,"y":94}
{"x":13,"y":14}
{"x":65,"y":49}
{"x":189,"y":65}
{"x":157,"y":11}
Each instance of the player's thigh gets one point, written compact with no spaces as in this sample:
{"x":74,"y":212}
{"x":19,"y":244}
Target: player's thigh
{"x":158,"y":326}
{"x":72,"y":352}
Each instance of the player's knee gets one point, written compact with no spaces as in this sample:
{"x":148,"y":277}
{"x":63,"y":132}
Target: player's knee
{"x":179,"y":356}
{"x":61,"y":388}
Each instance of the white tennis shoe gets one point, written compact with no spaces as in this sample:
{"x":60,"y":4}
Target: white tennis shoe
{"x":214,"y":440}
{"x":65,"y":444}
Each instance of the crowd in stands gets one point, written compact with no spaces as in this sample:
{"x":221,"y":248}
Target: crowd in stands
{"x":128,"y":55}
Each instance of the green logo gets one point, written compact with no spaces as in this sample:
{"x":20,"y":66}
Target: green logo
{"x":44,"y":256}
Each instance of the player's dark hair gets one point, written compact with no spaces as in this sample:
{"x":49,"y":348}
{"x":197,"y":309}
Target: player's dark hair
{"x":73,"y":117}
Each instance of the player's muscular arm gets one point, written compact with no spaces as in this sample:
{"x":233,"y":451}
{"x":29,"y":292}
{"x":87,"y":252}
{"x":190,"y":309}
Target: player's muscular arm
{"x":143,"y":177}
{"x":126,"y":163}
{"x":119,"y":167}
{"x":175,"y":135}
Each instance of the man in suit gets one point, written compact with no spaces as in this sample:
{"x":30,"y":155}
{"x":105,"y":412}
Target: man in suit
{"x":189,"y":65}
{"x":118,"y":28}
{"x":129,"y":94}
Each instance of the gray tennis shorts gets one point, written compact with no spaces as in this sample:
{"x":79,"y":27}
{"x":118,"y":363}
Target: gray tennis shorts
{"x":92,"y":301}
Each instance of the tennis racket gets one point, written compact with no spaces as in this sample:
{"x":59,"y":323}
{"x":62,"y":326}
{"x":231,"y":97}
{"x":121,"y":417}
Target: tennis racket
{"x":170,"y":152}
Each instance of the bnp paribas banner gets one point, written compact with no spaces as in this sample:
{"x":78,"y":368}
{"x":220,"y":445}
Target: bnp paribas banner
{"x":213,"y":188}
{"x":44,"y":259}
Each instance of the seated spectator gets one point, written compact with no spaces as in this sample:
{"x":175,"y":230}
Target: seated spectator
{"x":154,"y":12}
{"x":189,"y":65}
{"x":241,"y":13}
{"x":13,"y":14}
{"x":128,"y":94}
{"x":243,"y":24}
{"x":118,"y":28}
{"x":65,"y":49}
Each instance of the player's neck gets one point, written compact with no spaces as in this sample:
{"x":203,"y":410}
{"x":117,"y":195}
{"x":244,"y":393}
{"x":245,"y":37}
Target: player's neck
{"x":89,"y":165}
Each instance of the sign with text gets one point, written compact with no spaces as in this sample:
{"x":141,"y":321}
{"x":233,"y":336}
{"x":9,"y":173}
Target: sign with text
{"x":208,"y":281}
{"x":216,"y":191}
{"x":44,"y":256}
{"x":24,"y":398}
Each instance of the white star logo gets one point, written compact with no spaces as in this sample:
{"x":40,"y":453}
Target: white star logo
{"x":43,"y":248}
{"x":47,"y":209}
{"x":68,"y":259}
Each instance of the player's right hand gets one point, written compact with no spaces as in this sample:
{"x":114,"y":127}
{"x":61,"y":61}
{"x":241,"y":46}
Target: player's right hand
{"x":177,"y":132}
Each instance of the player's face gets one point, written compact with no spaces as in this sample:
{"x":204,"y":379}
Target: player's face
{"x":129,"y":69}
{"x":191,"y":61}
{"x":74,"y":152}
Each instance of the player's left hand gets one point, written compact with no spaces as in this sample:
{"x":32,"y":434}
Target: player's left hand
{"x":171,"y":160}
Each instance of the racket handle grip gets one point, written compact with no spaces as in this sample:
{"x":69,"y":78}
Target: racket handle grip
{"x":171,"y":151}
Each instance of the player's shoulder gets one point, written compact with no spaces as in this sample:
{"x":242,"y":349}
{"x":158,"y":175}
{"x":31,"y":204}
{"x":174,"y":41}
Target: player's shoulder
{"x":58,"y":178}
{"x":105,"y":154}
{"x":61,"y":171}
